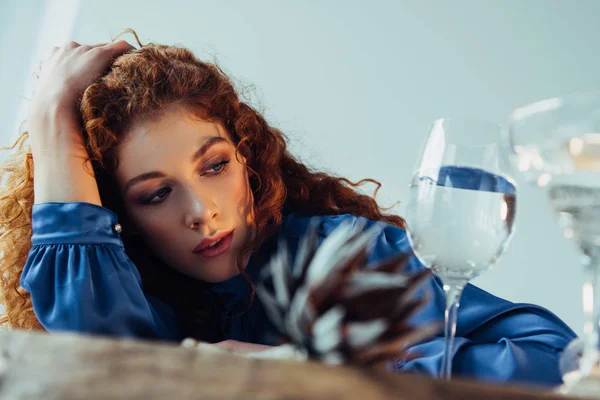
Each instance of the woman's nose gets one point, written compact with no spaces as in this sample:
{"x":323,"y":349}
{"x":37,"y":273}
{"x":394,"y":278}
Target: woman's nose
{"x":200,"y":211}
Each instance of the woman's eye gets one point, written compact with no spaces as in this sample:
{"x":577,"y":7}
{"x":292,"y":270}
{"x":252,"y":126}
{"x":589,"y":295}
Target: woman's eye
{"x":219,"y":167}
{"x":162,"y":193}
{"x":158,"y":196}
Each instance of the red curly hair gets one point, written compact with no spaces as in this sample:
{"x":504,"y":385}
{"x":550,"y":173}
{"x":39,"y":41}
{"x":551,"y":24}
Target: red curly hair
{"x":140,"y":84}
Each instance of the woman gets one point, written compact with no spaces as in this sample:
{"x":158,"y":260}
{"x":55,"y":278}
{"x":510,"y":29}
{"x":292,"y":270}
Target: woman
{"x":159,"y":195}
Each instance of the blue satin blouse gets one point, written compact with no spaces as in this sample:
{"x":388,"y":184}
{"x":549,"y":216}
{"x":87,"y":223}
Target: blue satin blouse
{"x":81,"y":280}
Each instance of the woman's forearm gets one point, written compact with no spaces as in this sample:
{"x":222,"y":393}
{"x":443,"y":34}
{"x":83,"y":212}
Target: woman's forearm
{"x":61,"y":170}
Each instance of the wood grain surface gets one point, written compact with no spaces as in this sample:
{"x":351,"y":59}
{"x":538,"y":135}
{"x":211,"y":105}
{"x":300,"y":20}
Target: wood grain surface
{"x":69,"y":366}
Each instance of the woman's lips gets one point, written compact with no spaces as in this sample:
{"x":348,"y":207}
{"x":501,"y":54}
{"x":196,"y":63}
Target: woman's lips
{"x":218,"y":249}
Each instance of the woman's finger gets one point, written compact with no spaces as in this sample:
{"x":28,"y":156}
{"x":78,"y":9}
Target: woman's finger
{"x":72,"y":44}
{"x":120,"y":46}
{"x":114,"y":49}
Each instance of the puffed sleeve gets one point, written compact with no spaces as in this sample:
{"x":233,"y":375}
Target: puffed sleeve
{"x":81,"y":280}
{"x":496,"y":340}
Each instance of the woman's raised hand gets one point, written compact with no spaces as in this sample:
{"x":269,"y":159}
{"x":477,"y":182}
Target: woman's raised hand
{"x":61,"y":172}
{"x":63,"y":78}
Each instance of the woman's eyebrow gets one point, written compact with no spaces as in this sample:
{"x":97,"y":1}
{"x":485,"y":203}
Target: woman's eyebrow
{"x":141,"y":178}
{"x":207,"y":145}
{"x":158,"y":174}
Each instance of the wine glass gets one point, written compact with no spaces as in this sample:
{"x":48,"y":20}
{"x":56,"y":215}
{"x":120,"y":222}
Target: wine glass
{"x":461,"y":209}
{"x":555,"y":143}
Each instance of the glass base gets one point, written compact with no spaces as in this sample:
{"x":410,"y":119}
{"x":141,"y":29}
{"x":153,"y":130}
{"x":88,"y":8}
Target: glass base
{"x":580,"y":369}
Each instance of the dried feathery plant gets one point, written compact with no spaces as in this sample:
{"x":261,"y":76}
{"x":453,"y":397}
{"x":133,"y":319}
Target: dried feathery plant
{"x":332,"y":307}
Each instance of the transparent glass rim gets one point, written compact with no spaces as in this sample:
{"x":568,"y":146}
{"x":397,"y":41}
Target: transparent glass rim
{"x":468,"y":121}
{"x":522,"y":113}
{"x":553,"y":103}
{"x":508,"y":174}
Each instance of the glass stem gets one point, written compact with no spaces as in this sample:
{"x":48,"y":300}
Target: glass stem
{"x":591,"y":327}
{"x":453,"y":291}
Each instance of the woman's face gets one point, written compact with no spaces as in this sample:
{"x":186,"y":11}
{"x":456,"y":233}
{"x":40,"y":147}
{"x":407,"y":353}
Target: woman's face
{"x":184,"y":190}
